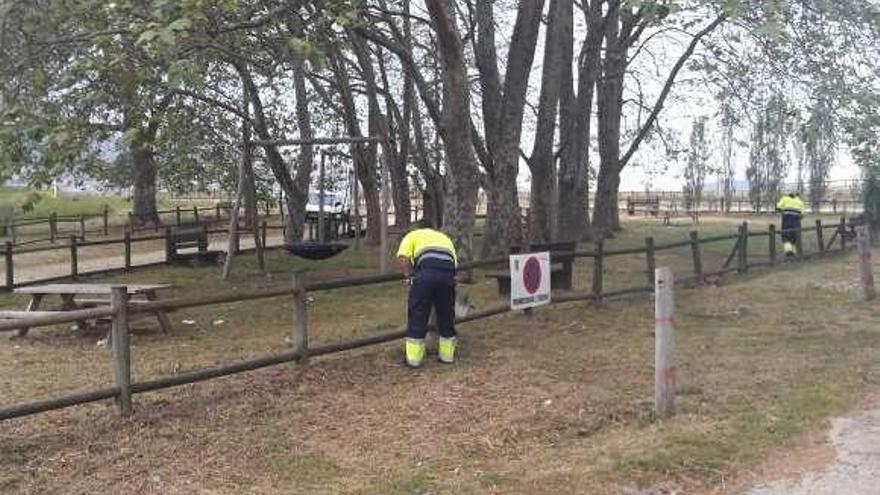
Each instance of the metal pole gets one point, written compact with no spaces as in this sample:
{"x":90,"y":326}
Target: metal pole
{"x":863,"y":240}
{"x":10,"y":270}
{"x":321,"y":235}
{"x":383,"y":223}
{"x":301,"y":313}
{"x":357,"y":208}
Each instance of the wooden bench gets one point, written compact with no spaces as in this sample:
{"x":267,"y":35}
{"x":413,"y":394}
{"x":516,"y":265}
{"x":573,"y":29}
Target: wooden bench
{"x":79,"y":296}
{"x":561,"y":265}
{"x":668,"y":215}
{"x":849,"y":231}
{"x":651,"y":206}
{"x":188,"y":237}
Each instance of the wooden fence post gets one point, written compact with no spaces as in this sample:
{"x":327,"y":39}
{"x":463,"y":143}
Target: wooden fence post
{"x":237,"y":237}
{"x":169,"y":247}
{"x":121,"y":347}
{"x":82,"y":228}
{"x":177,"y":212}
{"x":74,"y":268}
{"x":196,"y":213}
{"x":842,"y":230}
{"x":10,"y":270}
{"x":743,"y":252}
{"x":264,"y":232}
{"x":651,"y":259}
{"x":106,"y":220}
{"x":217,"y":212}
{"x":664,"y":344}
{"x":127,"y":241}
{"x":863,"y":240}
{"x":301,"y":325}
{"x":597,"y":273}
{"x":771,"y":242}
{"x":53,"y":227}
{"x":695,"y":254}
{"x":12,"y":227}
{"x":820,"y":237}
{"x":799,"y":241}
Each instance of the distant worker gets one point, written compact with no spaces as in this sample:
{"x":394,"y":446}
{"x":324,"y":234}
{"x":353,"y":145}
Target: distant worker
{"x":792,"y":208}
{"x":428,"y":260}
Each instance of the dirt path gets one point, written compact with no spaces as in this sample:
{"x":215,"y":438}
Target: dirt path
{"x":856,"y":469}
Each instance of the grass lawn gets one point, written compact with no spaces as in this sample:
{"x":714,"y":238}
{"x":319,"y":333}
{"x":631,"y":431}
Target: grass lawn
{"x":556,"y":403}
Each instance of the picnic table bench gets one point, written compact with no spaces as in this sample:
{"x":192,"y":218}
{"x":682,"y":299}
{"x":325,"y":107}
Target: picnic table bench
{"x":188,"y":237}
{"x":668,"y":215}
{"x":561,"y":265}
{"x":652,"y":206}
{"x":79,"y":296}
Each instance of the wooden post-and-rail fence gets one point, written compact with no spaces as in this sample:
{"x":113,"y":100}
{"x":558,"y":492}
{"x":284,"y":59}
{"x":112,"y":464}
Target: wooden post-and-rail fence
{"x":53,"y":222}
{"x":120,"y":311}
{"x":75,"y":244}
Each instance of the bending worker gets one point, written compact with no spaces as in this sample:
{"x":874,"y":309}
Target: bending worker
{"x":427,"y":258}
{"x":792,"y":208}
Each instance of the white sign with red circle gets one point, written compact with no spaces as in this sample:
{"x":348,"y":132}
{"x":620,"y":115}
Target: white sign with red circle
{"x":529,"y":280}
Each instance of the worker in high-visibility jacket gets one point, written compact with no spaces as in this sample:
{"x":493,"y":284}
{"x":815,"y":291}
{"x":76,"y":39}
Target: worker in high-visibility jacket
{"x":428,"y":260}
{"x":792,"y":208}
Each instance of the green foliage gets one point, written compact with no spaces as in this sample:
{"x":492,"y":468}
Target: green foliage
{"x":697,"y":162}
{"x":308,"y":51}
{"x":871,"y":198}
{"x":768,"y":164}
{"x":185,"y":73}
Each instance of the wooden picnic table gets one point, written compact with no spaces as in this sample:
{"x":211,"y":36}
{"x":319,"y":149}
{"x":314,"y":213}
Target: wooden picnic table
{"x":71,"y":299}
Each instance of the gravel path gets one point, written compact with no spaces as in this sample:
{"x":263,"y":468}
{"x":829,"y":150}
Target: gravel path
{"x":856,"y":470}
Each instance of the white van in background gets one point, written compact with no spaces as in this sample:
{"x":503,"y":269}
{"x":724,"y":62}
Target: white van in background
{"x":333,"y":202}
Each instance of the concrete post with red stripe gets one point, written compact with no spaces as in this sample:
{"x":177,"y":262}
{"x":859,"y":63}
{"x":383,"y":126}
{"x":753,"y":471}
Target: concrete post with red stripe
{"x":863,"y":241}
{"x":664,"y":344}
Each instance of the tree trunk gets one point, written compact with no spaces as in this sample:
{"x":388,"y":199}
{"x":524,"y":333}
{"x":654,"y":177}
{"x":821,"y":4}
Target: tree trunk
{"x":398,"y":145}
{"x":366,"y":156}
{"x":293,"y":195}
{"x":610,"y":104}
{"x":575,"y":118}
{"x":542,"y":163}
{"x":144,"y":174}
{"x":461,"y":177}
{"x":432,"y":194}
{"x":503,"y":107}
{"x":250,"y":189}
{"x":251,"y":212}
{"x":302,"y":180}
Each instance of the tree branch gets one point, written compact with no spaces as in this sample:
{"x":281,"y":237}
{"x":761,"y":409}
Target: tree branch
{"x":667,"y":87}
{"x":213,"y":102}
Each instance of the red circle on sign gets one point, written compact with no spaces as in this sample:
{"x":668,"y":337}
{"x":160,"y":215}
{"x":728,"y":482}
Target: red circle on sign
{"x":531,"y":275}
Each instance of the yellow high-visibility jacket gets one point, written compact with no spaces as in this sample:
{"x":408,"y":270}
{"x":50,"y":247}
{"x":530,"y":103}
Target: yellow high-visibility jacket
{"x":787,"y":204}
{"x":426,"y":242}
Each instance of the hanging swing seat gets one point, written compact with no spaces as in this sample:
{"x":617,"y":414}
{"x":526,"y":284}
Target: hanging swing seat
{"x":316,"y":250}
